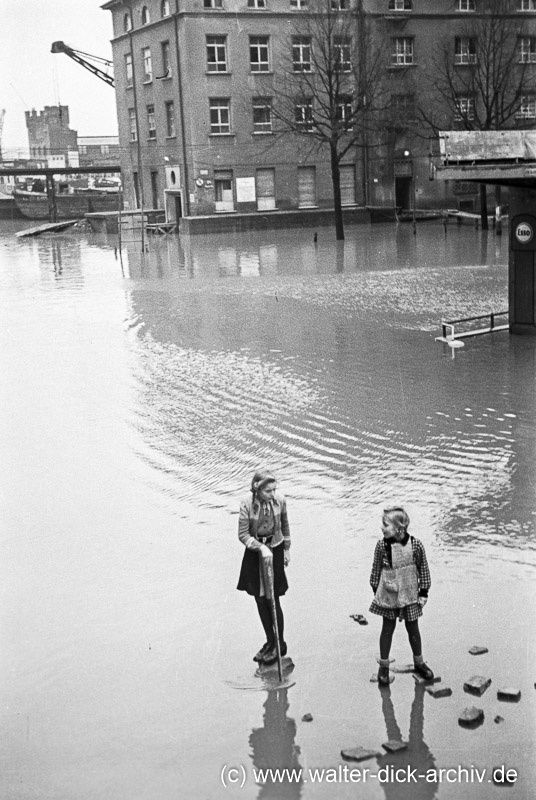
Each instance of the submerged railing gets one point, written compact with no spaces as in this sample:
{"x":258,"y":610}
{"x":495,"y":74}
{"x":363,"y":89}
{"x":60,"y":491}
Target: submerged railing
{"x":449,"y":337}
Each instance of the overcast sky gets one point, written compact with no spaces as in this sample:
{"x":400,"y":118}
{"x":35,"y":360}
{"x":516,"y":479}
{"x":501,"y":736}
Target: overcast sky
{"x":32,"y":77}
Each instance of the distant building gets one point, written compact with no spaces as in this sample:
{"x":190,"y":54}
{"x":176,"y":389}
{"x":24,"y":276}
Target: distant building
{"x":50,"y":137}
{"x":194,"y":85}
{"x":98,"y":150}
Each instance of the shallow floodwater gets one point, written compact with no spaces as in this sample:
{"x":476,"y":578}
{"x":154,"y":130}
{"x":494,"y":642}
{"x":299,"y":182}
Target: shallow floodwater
{"x":139,"y":392}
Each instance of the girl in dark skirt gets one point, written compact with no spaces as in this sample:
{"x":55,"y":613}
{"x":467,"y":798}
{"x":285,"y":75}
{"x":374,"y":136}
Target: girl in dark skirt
{"x":264,"y":531}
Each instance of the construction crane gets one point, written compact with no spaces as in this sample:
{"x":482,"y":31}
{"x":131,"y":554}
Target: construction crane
{"x":82,"y":58}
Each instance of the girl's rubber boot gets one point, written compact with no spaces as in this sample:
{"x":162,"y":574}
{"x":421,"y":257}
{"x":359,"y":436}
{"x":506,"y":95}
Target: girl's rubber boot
{"x":422,"y":669}
{"x":264,"y":649}
{"x":383,"y":674}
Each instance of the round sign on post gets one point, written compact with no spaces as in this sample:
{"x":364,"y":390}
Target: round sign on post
{"x":524,"y":232}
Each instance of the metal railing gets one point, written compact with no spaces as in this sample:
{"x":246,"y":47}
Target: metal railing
{"x":473,"y":332}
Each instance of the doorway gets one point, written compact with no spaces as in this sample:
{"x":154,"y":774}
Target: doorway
{"x":403,"y":193}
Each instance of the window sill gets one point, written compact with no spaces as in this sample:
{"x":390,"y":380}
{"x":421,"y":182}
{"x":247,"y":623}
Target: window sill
{"x":153,"y":139}
{"x":221,"y":135}
{"x":262,"y":133}
{"x":174,"y":136}
{"x":146,"y":82}
{"x":262,"y":72}
{"x":230,"y":211}
{"x":217,"y":72}
{"x":129,"y":86}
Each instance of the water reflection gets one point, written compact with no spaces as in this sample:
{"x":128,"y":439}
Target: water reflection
{"x":416,"y":760}
{"x":273,"y":747}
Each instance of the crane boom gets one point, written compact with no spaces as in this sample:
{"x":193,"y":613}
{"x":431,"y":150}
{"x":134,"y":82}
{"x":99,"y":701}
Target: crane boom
{"x":78,"y":56}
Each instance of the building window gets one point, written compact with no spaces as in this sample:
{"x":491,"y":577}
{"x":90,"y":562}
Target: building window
{"x":527,"y":5}
{"x":212,"y":3}
{"x":151,"y":122}
{"x":145,"y":18}
{"x":259,"y":53}
{"x":105,"y":149}
{"x":464,"y":50}
{"x":166,"y":60}
{"x":262,"y":115}
{"x":466,"y":5}
{"x":147,"y":64}
{"x":402,"y":53}
{"x":164,"y":8}
{"x":298,"y":4}
{"x":220,"y":115}
{"x":217,"y":53}
{"x":342,"y":51}
{"x":465,"y":108}
{"x":83,"y":150}
{"x":527,"y":107}
{"x":340,"y":5}
{"x":170,"y":118}
{"x":127,"y":22}
{"x":344,"y":112}
{"x":301,"y":53}
{"x":129,"y":72}
{"x":402,"y":107}
{"x":303,"y":114}
{"x":132,"y":125}
{"x":400,"y":5}
{"x":527,"y":49}
{"x":256,"y":3}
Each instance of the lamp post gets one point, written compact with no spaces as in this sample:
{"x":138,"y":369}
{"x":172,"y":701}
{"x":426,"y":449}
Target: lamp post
{"x":409,"y":155}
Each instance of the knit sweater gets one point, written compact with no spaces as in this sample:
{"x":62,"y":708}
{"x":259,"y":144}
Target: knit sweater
{"x":249,"y":517}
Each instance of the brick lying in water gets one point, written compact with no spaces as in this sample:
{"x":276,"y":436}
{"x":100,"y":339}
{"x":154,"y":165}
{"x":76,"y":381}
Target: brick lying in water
{"x":393,"y":745}
{"x":419,"y":679}
{"x":477,"y":684}
{"x":471,"y":717}
{"x":478,"y":651}
{"x":404,"y":668}
{"x":439,"y":691}
{"x":307,"y":718}
{"x":507,"y":693}
{"x":358,"y":754}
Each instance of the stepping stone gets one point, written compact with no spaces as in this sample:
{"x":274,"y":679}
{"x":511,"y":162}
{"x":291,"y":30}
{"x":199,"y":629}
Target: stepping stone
{"x":404,"y":668}
{"x":393,"y":745}
{"x":498,"y":719}
{"x":509,"y":694}
{"x":471,"y":717}
{"x":358,"y":754}
{"x":477,"y":685}
{"x":439,"y":691}
{"x":478,"y":651}
{"x":287,"y":665}
{"x":307,"y":718}
{"x":424,"y":682}
{"x":374,"y":678}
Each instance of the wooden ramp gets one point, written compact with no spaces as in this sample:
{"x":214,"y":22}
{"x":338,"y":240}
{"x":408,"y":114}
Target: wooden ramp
{"x":49,"y":227}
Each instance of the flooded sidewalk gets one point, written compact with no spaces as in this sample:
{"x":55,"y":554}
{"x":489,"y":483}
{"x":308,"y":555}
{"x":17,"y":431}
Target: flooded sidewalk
{"x":140,"y":392}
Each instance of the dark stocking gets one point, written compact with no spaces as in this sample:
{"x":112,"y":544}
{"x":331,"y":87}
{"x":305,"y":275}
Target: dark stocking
{"x":386,"y":637}
{"x":280,"y":619}
{"x":263,"y":607}
{"x":414,"y":636}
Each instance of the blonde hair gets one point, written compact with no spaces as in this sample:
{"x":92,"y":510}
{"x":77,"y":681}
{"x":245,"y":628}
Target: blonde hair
{"x":398,"y":516}
{"x":261,"y":478}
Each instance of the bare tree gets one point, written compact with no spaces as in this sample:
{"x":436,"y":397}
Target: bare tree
{"x":479,"y":78}
{"x":329,"y":90}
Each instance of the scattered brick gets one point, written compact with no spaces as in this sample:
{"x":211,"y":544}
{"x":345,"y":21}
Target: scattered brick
{"x":477,"y":685}
{"x":471,"y":717}
{"x":358,"y":754}
{"x":393,"y":745}
{"x":439,"y":691}
{"x":507,"y":693}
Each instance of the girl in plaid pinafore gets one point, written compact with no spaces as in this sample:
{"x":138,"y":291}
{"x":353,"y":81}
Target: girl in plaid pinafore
{"x":400,"y":579}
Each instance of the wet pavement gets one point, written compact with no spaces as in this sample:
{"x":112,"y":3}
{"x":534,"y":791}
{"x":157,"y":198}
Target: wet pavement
{"x":139,"y":393}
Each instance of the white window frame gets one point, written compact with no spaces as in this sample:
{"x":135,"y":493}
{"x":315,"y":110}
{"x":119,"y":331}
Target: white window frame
{"x":403,"y":53}
{"x":171,"y":130}
{"x":145,"y":16}
{"x":258,"y":4}
{"x":527,"y":107}
{"x":304,"y":114}
{"x":217,"y":47}
{"x":151,"y":122}
{"x":164,"y":8}
{"x":464,"y":50}
{"x":343,"y":107}
{"x":466,"y":5}
{"x":465,"y":108}
{"x":527,"y":49}
{"x":165,"y":50}
{"x":299,"y":5}
{"x":344,"y":60}
{"x":133,"y":128}
{"x":127,"y":22}
{"x":264,"y":104}
{"x":400,"y":5}
{"x":129,"y":70}
{"x":301,"y":54}
{"x":212,"y":3}
{"x":340,"y":5}
{"x":147,"y":64}
{"x":259,"y":45}
{"x":527,"y":5}
{"x":220,"y":116}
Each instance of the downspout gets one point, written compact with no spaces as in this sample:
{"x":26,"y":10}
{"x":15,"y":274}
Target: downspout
{"x":138,"y":142}
{"x":181,"y":111}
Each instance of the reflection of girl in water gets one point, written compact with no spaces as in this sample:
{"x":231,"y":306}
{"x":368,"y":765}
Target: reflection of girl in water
{"x":273,"y":748}
{"x":264,"y":530}
{"x":400,"y":579}
{"x":416,"y":760}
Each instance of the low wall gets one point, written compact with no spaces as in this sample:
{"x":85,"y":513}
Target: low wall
{"x":303,"y":218}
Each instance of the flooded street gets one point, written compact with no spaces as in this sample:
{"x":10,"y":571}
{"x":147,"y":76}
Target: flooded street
{"x":139,"y":393}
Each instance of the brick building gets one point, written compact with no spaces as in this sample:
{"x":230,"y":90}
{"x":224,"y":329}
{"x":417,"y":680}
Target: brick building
{"x":194,"y":80}
{"x":50,"y":137}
